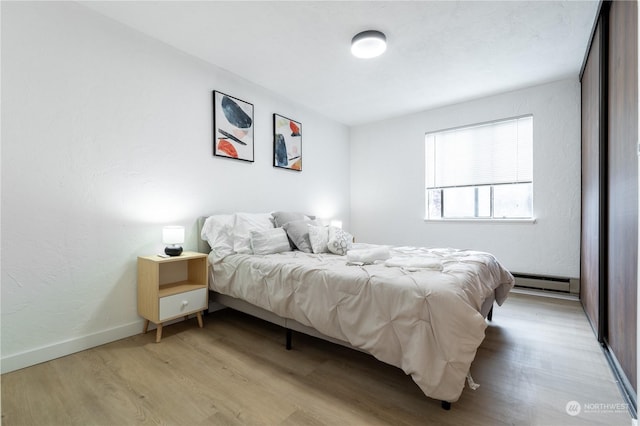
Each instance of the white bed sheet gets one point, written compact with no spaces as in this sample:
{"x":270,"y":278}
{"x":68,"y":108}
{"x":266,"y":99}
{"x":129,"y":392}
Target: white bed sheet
{"x":425,"y":321}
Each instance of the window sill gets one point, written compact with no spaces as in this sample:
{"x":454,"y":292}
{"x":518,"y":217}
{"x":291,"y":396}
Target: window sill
{"x":485,"y":221}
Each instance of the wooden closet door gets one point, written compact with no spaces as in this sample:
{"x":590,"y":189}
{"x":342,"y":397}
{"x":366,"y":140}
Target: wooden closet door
{"x":591,"y":244}
{"x":623,"y":186}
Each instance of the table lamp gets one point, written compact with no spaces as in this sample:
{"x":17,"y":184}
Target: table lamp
{"x":173,"y":236}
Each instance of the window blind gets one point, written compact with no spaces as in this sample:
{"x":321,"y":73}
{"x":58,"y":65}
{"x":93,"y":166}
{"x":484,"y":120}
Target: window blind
{"x":494,"y":153}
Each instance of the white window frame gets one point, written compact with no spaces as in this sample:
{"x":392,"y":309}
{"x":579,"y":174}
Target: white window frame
{"x":518,"y":169}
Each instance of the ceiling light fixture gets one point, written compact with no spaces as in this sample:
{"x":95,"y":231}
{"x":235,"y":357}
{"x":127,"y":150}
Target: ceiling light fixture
{"x":368,"y":44}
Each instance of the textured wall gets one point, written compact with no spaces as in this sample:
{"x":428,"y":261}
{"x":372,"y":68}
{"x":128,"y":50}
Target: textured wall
{"x":387,"y":181}
{"x":106,"y":137}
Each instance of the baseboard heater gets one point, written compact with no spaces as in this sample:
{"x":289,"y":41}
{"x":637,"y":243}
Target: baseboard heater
{"x":549,"y":283}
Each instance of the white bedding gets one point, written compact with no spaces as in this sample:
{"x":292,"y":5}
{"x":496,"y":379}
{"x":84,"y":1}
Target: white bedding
{"x":425,"y":320}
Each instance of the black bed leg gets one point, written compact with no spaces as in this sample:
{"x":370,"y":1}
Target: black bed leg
{"x":490,"y":314}
{"x":289,"y":334}
{"x":446,"y":405}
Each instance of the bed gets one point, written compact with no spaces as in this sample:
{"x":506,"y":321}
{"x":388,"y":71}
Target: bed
{"x":422,"y":310}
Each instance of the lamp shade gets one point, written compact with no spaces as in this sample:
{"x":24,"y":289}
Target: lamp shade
{"x":173,"y":235}
{"x":368,"y":44}
{"x":336,"y":223}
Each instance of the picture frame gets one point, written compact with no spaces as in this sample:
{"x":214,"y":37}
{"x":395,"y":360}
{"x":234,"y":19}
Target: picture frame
{"x":233,"y":127}
{"x":287,"y":143}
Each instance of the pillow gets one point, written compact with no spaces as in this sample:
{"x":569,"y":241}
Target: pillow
{"x":218,"y":232}
{"x":244,"y":224}
{"x":271,"y":241}
{"x":298,"y":233}
{"x":281,"y":218}
{"x":319,"y":237}
{"x":339,"y":241}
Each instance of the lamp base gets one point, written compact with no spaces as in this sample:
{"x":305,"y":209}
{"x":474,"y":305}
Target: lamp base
{"x":173,"y":251}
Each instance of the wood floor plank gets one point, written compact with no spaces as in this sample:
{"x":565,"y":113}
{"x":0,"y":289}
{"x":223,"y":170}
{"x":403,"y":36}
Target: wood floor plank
{"x":539,"y":354}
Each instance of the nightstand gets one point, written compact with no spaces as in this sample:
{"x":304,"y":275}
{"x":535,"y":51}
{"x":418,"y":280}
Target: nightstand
{"x":172,"y":287}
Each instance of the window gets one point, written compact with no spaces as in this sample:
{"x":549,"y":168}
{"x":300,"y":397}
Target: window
{"x":482,"y":171}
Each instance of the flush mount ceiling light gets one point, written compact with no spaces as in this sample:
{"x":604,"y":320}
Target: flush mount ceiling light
{"x":368,"y":44}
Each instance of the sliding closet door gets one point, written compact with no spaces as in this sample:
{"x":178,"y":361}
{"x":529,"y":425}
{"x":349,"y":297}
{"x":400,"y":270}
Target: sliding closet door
{"x":623,"y":186}
{"x":591,"y":265}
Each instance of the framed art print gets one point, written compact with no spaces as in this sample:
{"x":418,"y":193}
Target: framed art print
{"x":232,"y":127}
{"x":287,"y":143}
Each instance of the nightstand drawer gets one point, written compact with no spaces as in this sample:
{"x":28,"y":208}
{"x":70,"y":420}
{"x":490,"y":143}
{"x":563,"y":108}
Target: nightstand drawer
{"x":182,"y":303}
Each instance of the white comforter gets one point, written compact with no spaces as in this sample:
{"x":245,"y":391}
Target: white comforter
{"x":424,"y":320}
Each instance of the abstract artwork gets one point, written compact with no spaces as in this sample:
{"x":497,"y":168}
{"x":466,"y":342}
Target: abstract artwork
{"x":287,"y":143}
{"x":232,"y":127}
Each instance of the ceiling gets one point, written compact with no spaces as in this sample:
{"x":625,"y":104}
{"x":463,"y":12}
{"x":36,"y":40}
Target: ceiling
{"x":439,"y":52}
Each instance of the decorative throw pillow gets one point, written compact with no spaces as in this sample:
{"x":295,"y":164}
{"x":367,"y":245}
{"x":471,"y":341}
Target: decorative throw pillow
{"x":244,"y":224}
{"x":271,"y":241}
{"x":282,"y":218}
{"x":218,"y":232}
{"x":339,"y":241}
{"x":319,"y":237}
{"x":298,"y":233}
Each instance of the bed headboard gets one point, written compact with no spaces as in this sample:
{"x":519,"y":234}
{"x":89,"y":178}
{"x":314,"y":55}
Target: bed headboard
{"x":203,"y":246}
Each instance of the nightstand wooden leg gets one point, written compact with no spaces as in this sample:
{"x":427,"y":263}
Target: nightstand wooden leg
{"x":158,"y":333}
{"x":146,"y":326}
{"x":199,"y":315}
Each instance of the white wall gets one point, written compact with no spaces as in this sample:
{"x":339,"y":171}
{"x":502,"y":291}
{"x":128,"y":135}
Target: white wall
{"x":106,"y":137}
{"x":387,"y":181}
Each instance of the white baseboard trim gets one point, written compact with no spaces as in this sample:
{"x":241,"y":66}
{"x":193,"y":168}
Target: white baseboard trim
{"x":56,"y":350}
{"x":71,"y":346}
{"x":35,"y":356}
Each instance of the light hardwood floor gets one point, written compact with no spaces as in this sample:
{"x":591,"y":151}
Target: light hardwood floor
{"x":538,"y":355}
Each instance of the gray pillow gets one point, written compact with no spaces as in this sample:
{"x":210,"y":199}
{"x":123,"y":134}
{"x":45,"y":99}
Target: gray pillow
{"x":281,"y":218}
{"x":298,"y":233}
